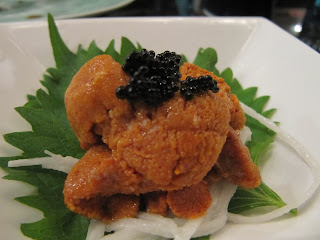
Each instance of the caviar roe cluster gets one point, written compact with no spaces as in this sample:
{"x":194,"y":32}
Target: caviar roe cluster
{"x":155,"y":79}
{"x":193,"y":85}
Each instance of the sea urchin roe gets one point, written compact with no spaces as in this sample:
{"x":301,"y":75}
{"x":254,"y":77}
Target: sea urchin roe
{"x":136,"y":149}
{"x":190,"y":202}
{"x":154,"y":79}
{"x":238,"y":118}
{"x":156,"y":202}
{"x":235,"y":163}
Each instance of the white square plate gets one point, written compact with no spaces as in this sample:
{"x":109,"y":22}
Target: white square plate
{"x":259,"y":53}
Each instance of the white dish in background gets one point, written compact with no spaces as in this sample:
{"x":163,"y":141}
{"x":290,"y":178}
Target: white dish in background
{"x":259,"y":53}
{"x":13,"y":10}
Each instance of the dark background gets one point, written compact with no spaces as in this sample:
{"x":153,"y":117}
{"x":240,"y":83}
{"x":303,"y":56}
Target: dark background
{"x":300,"y":18}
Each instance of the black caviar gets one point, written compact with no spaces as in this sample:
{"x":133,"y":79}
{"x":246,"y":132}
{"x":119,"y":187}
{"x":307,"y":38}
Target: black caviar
{"x":155,"y":78}
{"x":193,"y":85}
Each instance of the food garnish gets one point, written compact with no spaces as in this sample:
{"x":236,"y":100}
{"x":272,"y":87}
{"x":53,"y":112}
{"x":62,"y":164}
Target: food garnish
{"x":135,"y":150}
{"x":193,"y":85}
{"x":155,"y":78}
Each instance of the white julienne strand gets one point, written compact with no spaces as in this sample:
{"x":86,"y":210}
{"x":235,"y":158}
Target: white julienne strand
{"x":96,"y":230}
{"x":303,"y":153}
{"x":216,"y":216}
{"x":54,"y":161}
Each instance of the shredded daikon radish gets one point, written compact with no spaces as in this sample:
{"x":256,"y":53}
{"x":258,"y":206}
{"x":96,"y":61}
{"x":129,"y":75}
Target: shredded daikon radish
{"x":129,"y":234}
{"x":142,"y":225}
{"x":216,"y":215}
{"x":96,"y":230}
{"x":304,"y":154}
{"x":245,"y":134}
{"x":55,"y":162}
{"x":181,"y":229}
{"x":186,"y":231}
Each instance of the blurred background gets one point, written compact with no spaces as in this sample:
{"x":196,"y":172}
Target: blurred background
{"x":301,"y":18}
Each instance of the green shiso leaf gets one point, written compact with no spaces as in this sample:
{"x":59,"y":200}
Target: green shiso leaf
{"x":294,"y":212}
{"x":207,"y":59}
{"x":58,"y":221}
{"x":183,"y":59}
{"x":246,"y":199}
{"x":51,"y":131}
{"x":127,"y":47}
{"x":112,"y":51}
{"x":202,"y":238}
